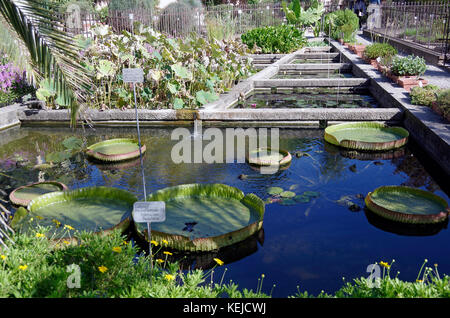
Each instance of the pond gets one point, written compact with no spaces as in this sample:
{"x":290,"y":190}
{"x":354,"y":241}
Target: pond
{"x":287,"y":74}
{"x":312,"y":98}
{"x":312,"y":244}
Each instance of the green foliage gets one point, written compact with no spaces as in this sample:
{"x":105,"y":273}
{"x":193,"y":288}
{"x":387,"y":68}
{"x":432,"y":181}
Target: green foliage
{"x":179,"y":73}
{"x":428,"y":284}
{"x":408,"y":66}
{"x":275,"y":39}
{"x":341,"y":24}
{"x":316,"y":43}
{"x":425,"y":95}
{"x":299,"y":17}
{"x":38,"y":267}
{"x":382,"y":50}
{"x":443,"y":100}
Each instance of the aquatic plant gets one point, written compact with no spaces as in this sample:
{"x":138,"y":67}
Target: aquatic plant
{"x":202,"y":217}
{"x":274,"y":39}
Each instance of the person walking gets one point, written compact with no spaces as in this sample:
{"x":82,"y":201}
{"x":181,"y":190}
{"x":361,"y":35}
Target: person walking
{"x":360,"y":10}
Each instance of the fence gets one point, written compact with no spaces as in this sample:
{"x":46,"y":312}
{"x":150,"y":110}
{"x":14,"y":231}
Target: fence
{"x":422,"y":23}
{"x":182,"y":20}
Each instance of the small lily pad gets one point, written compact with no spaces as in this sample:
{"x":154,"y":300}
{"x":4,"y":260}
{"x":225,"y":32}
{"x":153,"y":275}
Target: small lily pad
{"x":288,"y":202}
{"x":274,"y":190}
{"x":311,"y":194}
{"x":287,"y":194}
{"x":293,"y":187}
{"x":302,"y":198}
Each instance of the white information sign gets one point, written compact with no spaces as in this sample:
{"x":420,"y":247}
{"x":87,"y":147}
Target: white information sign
{"x":149,"y":211}
{"x":133,"y":75}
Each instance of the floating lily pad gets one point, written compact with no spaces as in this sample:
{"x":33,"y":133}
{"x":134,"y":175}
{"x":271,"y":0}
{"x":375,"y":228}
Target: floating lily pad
{"x":269,"y":157}
{"x":287,"y":194}
{"x":407,"y":205}
{"x":274,"y":190}
{"x":287,"y":201}
{"x":312,"y":194}
{"x":366,"y":136}
{"x":95,"y":209}
{"x":115,"y":150}
{"x":223,"y":216}
{"x":302,"y":198}
{"x":23,"y":195}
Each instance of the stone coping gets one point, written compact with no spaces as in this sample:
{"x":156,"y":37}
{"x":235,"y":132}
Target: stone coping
{"x":429,"y":130}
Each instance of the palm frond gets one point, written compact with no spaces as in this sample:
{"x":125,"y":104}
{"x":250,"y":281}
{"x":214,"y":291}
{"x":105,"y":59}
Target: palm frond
{"x":51,"y":51}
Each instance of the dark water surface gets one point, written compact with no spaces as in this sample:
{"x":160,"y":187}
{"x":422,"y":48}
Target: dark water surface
{"x":312,"y":244}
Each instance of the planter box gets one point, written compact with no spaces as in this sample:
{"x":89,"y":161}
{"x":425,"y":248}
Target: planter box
{"x":437,"y":109}
{"x":359,"y":49}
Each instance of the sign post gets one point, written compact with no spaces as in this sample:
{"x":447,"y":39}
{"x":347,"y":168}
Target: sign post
{"x":148,"y":212}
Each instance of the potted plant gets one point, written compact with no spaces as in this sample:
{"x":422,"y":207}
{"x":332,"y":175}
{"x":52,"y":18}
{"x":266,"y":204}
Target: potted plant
{"x":359,"y":48}
{"x":406,"y":71}
{"x":375,"y":52}
{"x":442,"y":104}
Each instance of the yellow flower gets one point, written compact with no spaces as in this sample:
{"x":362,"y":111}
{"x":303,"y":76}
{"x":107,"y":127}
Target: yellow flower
{"x":40,"y":235}
{"x":159,"y":261}
{"x":125,"y":243}
{"x":57,"y":223}
{"x":68,"y":227}
{"x":419,"y":280}
{"x":23,"y":267}
{"x":102,"y":269}
{"x":39,"y":217}
{"x":66,"y":242}
{"x":165,"y":242}
{"x":117,"y":249}
{"x":3,"y":257}
{"x":169,"y":277}
{"x":219,"y":262}
{"x":167,"y":253}
{"x":385,"y":264}
{"x":154,"y":243}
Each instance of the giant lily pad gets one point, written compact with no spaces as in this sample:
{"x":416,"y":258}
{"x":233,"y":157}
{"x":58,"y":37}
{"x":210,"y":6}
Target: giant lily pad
{"x":269,"y":157}
{"x":24,"y":194}
{"x":407,"y":205}
{"x":203,"y":217}
{"x":366,"y":136}
{"x":95,"y":209}
{"x":115,"y":150}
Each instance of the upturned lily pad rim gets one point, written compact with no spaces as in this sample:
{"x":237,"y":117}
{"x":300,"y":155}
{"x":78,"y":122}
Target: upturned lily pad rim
{"x":402,"y":134}
{"x":98,"y":191}
{"x":287,"y":158}
{"x":24,"y":202}
{"x":397,"y":216}
{"x":184,"y":243}
{"x":90,"y":150}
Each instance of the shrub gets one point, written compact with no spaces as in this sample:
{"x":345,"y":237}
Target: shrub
{"x":341,"y":24}
{"x":425,"y":95}
{"x":443,"y":100}
{"x":275,"y":39}
{"x":178,"y":73}
{"x":408,"y":66}
{"x":382,"y":50}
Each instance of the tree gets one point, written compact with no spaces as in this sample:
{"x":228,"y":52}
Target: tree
{"x":50,"y":53}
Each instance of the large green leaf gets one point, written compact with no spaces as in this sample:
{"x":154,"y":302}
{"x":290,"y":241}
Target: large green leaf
{"x":92,"y":209}
{"x":202,"y":217}
{"x":181,"y":71}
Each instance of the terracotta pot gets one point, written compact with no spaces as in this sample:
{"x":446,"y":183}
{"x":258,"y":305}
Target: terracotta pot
{"x":341,"y":41}
{"x":359,"y":49}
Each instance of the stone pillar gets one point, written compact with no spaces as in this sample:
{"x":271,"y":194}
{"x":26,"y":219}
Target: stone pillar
{"x":374,"y":16}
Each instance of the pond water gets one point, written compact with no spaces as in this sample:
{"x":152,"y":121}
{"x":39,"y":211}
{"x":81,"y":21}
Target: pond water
{"x":312,"y":74}
{"x":312,"y":243}
{"x":311,"y":98}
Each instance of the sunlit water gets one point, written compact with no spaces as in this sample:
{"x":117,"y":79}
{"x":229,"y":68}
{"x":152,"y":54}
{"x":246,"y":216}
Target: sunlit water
{"x":311,"y":244}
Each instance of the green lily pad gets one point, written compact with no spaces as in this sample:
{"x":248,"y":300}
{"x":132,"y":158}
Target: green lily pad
{"x":312,"y":194}
{"x":23,"y":195}
{"x":288,"y":202}
{"x":274,"y":190}
{"x":95,"y":209}
{"x":302,"y":198}
{"x":287,"y":194}
{"x":203,"y":217}
{"x":115,"y":150}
